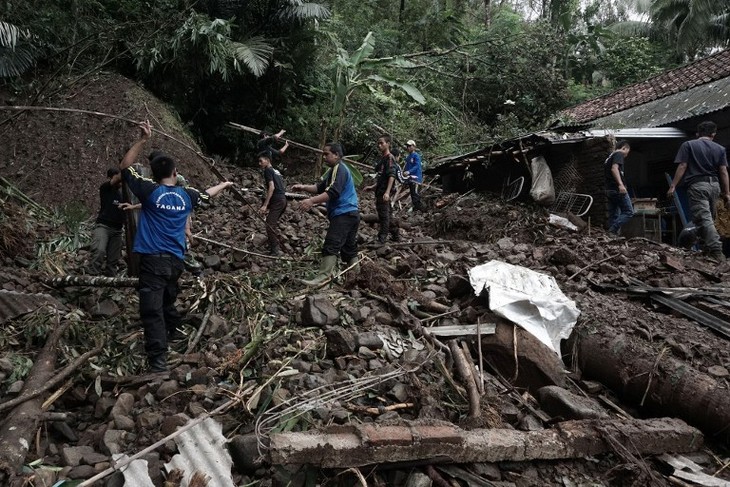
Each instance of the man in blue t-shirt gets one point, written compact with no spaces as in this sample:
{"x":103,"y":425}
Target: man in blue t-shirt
{"x":414,"y":173}
{"x":337,"y":190}
{"x":620,"y":209}
{"x":160,"y":242}
{"x":703,"y":164}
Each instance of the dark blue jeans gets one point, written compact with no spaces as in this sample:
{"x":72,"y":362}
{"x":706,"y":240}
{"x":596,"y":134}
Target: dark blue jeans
{"x":341,"y":238}
{"x":158,"y":275}
{"x":620,"y":210}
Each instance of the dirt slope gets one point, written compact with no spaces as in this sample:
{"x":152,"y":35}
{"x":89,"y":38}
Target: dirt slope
{"x":59,"y":157}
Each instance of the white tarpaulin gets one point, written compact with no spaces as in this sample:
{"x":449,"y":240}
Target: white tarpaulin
{"x":525,"y":297}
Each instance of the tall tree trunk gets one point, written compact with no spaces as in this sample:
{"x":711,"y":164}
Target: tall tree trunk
{"x":487,"y":13}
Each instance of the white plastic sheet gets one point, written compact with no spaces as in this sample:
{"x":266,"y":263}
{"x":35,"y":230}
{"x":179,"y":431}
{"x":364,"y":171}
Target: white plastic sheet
{"x":530,"y":299}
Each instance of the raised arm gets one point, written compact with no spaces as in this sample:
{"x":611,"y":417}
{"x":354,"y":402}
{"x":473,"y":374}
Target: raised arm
{"x":131,"y":156}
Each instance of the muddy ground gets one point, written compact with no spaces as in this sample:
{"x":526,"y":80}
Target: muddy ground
{"x":256,"y":318}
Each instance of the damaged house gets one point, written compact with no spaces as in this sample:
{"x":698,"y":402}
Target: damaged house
{"x":655,"y":116}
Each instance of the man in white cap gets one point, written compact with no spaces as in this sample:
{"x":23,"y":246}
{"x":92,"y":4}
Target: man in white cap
{"x":413,"y":171}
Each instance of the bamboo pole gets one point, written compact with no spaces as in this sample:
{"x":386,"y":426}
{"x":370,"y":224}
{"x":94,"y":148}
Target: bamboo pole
{"x":297,"y":144}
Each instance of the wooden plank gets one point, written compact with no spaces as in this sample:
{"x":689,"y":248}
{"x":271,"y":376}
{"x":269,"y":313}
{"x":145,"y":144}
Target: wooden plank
{"x":462,"y":330}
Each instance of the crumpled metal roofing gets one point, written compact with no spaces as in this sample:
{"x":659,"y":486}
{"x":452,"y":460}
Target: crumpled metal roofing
{"x":701,"y":100}
{"x":14,"y":304}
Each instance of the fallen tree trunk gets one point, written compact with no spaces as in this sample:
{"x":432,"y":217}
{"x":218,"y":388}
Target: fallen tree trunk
{"x":662,"y":384}
{"x":20,"y":425}
{"x":95,"y":281}
{"x":371,"y":219}
{"x":368,"y":444}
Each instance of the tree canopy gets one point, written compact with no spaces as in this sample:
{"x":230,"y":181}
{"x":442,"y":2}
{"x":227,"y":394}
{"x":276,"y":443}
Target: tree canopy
{"x":445,"y":72}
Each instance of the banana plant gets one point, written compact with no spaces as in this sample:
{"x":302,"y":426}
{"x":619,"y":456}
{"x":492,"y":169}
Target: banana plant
{"x":358,"y":70}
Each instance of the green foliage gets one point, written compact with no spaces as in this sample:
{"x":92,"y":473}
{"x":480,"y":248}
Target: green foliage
{"x":632,"y":60}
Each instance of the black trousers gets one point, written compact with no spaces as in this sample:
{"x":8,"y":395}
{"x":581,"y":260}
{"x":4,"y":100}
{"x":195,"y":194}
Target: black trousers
{"x":415,"y":197}
{"x":158,"y":275}
{"x":276,"y":209}
{"x":341,"y":237}
{"x":385,"y":212}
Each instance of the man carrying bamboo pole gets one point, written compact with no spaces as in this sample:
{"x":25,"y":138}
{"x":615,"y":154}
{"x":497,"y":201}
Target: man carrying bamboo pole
{"x":160,"y":242}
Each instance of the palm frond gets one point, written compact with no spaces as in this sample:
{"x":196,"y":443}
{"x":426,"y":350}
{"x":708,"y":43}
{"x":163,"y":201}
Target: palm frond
{"x":300,"y":10}
{"x":14,"y":62}
{"x":255,"y":53}
{"x":631,"y":28}
{"x":9,"y":34}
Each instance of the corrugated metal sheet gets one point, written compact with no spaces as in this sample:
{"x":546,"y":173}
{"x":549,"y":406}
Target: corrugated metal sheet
{"x":641,"y":133}
{"x":700,"y":100}
{"x":14,"y":304}
{"x":135,"y":473}
{"x":203,"y":449}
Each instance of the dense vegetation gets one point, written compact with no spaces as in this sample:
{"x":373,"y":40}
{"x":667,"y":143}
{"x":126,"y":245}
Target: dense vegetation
{"x":450,"y":73}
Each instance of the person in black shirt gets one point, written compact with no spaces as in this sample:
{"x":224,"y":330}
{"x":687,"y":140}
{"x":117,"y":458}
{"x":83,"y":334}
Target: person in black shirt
{"x":266,"y":144}
{"x":384,"y":189}
{"x":620,"y":209}
{"x":274,"y":203}
{"x":106,"y":243}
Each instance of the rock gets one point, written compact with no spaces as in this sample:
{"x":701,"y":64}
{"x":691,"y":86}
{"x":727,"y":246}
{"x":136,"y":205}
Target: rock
{"x":104,"y":309}
{"x":168,"y":388}
{"x":505,"y":243}
{"x":123,"y":405}
{"x":418,"y":479}
{"x":124,"y":423}
{"x":94,"y":458}
{"x":509,"y":412}
{"x":171,"y":423}
{"x":244,"y":450}
{"x":366,"y":353}
{"x":717,"y":371}
{"x":103,"y":405}
{"x":370,"y":340}
{"x":400,"y":392}
{"x":339,"y":341}
{"x":72,"y":455}
{"x":113,"y":441}
{"x":561,"y":402}
{"x":319,"y":311}
{"x":212,"y":262}
{"x":217,"y":326}
{"x":82,"y":472}
{"x":529,"y":423}
{"x":384,"y":318}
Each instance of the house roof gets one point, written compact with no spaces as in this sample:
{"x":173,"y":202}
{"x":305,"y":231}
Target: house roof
{"x":670,"y":82}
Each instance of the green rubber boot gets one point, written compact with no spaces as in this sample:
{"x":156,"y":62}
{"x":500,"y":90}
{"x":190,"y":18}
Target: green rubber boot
{"x":354,"y":261}
{"x":326,"y":267}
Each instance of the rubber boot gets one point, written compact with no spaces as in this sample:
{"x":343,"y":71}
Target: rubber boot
{"x":326,"y":266}
{"x":354,"y":261}
{"x":158,"y":363}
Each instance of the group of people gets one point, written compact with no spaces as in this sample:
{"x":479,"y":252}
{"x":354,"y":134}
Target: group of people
{"x":166,"y":205}
{"x":701,"y":166}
